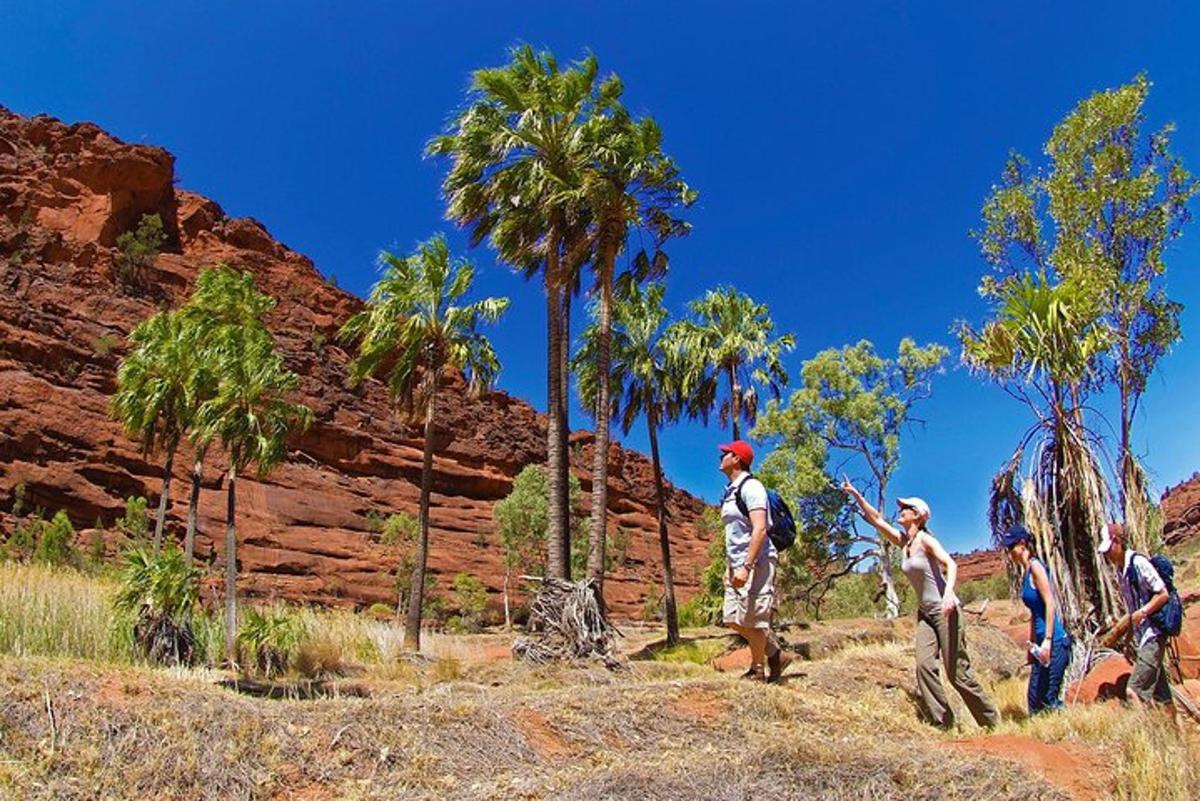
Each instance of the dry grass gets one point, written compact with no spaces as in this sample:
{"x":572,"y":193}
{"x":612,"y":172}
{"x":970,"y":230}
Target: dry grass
{"x":139,"y":734}
{"x":461,"y":722}
{"x":1151,"y":760}
{"x":48,"y":611}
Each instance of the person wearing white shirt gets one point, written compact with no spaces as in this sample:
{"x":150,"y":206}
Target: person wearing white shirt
{"x":1144,"y":593}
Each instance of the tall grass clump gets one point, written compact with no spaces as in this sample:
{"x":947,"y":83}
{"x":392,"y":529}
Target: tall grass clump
{"x":268,"y":639}
{"x":47,"y":610}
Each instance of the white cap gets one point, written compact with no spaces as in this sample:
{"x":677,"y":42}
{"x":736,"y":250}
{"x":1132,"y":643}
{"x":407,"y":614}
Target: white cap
{"x":918,"y":504}
{"x":1106,"y":541}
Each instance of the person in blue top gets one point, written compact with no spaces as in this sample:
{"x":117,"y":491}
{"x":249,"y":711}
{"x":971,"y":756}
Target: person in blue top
{"x":1049,"y":643}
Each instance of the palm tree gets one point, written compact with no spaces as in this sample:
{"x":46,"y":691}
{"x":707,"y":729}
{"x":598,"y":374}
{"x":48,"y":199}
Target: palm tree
{"x":248,"y":412}
{"x":731,"y":337}
{"x":223,"y":300}
{"x":412,"y":330}
{"x":1044,"y":346}
{"x":156,"y":391}
{"x":629,"y":183}
{"x":645,"y":379}
{"x":517,"y":157}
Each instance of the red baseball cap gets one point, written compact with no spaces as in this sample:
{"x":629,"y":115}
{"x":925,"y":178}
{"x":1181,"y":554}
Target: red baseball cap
{"x":739,"y":448}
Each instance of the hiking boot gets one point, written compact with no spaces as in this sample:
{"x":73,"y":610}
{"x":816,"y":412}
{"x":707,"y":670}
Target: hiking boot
{"x":776,"y":663}
{"x":755,"y":673}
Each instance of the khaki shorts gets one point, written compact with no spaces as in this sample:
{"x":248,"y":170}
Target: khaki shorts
{"x":750,"y":605}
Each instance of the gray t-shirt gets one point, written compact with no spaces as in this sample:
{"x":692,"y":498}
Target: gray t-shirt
{"x":737,"y":525}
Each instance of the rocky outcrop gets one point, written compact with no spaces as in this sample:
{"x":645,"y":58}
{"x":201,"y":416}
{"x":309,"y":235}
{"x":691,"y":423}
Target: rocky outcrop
{"x":66,"y":193}
{"x":1181,"y":511}
{"x":982,"y":563}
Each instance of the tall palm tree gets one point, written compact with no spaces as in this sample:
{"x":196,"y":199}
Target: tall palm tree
{"x":156,"y":391}
{"x":630,"y":183}
{"x":517,"y":156}
{"x":413,"y":331}
{"x":248,"y":411}
{"x":645,"y":379}
{"x":730,"y":337}
{"x":223,"y":299}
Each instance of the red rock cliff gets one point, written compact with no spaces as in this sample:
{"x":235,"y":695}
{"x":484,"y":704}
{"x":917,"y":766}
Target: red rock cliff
{"x":66,"y":193}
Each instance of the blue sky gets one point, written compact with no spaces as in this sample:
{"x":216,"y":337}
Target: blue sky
{"x":842,"y":152}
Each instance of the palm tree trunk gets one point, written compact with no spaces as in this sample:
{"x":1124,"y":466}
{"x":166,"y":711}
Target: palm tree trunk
{"x":565,"y":512}
{"x":556,"y":525}
{"x":735,"y":399}
{"x":231,"y":570}
{"x":189,"y":541}
{"x":664,"y":540}
{"x":412,"y":625}
{"x":163,"y":499}
{"x":599,"y":528}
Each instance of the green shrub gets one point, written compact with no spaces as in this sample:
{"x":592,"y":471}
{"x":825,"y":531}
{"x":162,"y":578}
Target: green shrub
{"x":18,"y":499}
{"x":56,"y":542}
{"x":134,"y":525}
{"x":381,"y":611}
{"x":704,"y":608}
{"x":24,"y":537}
{"x":161,"y":591}
{"x":138,"y":249}
{"x":470,"y":599}
{"x":104,"y":344}
{"x":269,"y":639}
{"x":994,"y":587}
{"x":96,"y":546}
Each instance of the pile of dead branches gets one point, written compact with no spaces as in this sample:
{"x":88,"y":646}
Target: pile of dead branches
{"x":566,"y":623}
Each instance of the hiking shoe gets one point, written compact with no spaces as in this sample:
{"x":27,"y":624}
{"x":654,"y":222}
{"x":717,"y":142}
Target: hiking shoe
{"x":776,"y":663}
{"x":755,"y":673}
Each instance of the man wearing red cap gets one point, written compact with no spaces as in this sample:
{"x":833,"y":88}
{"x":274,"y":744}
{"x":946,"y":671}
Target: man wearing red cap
{"x":750,"y":560}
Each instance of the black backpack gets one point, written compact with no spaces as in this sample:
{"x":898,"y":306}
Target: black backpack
{"x":1168,"y":619}
{"x":783,"y":526}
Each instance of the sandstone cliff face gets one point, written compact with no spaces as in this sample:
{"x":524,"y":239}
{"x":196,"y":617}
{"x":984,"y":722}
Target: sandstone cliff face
{"x":66,"y":193}
{"x":1181,"y":511}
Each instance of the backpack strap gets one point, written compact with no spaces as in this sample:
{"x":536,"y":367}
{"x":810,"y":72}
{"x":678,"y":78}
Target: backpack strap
{"x":737,"y":496}
{"x":1135,"y":578}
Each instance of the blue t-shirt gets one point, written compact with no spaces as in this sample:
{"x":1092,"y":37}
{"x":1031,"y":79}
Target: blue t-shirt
{"x":1037,"y":607}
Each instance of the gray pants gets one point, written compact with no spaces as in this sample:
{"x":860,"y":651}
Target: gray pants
{"x":1149,"y":678}
{"x":942,"y":642}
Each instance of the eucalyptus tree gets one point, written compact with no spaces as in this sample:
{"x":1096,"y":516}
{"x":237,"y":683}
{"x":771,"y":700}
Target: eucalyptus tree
{"x":630,"y":183}
{"x":517,"y":156}
{"x":854,"y":404}
{"x":1077,"y":256}
{"x":729,"y":338}
{"x":248,"y":412}
{"x":414,"y":332}
{"x":155,"y":401}
{"x":1116,"y":197}
{"x":646,"y":380}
